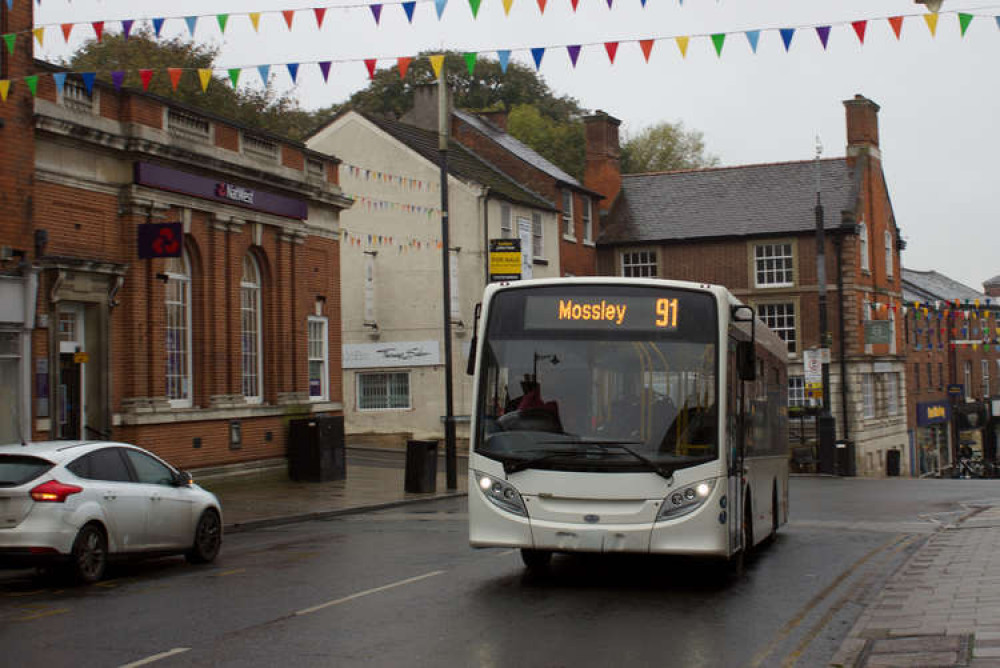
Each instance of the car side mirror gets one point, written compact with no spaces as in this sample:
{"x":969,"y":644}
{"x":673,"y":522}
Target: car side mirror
{"x":183,"y":479}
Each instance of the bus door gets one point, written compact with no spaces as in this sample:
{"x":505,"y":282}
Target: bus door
{"x":736,"y":445}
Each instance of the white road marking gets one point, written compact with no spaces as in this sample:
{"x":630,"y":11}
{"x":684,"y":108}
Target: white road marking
{"x":366,"y":592}
{"x":157,"y":657}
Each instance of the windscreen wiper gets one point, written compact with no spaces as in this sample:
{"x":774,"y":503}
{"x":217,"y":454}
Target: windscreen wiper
{"x":658,"y":469}
{"x":510,"y":466}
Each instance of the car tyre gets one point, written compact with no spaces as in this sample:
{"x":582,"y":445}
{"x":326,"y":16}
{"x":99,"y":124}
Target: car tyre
{"x":536,"y":561}
{"x":89,"y":558}
{"x":207,"y":538}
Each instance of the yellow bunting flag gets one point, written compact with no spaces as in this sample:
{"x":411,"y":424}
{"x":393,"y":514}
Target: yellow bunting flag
{"x":205,"y":75}
{"x":437,"y":62}
{"x":682,"y":44}
{"x":255,"y":20}
{"x":931,"y":20}
{"x":39,"y":35}
{"x":4,"y":89}
{"x":507,"y":4}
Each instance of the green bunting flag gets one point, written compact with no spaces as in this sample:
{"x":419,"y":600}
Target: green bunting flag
{"x":718,"y":40}
{"x":223,"y":20}
{"x":470,"y":62}
{"x":964,"y":20}
{"x":474,"y":4}
{"x":11,"y":40}
{"x":234,"y":75}
{"x":32,"y":82}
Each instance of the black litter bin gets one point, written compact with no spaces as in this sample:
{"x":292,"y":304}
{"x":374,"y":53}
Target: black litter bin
{"x":845,"y":458}
{"x":421,"y":466}
{"x":316,"y":449}
{"x":892,"y":458}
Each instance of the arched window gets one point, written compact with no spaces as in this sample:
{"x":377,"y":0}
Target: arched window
{"x":888,"y":254}
{"x":178,"y":343}
{"x":250,"y":334}
{"x":863,"y":238}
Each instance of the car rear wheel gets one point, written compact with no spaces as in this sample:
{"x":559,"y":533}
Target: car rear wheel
{"x":90,"y":554}
{"x":207,"y":539}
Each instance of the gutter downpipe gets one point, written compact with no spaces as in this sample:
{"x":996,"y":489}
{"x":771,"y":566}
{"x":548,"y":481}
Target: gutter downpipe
{"x":839,"y":243}
{"x":486,"y":235}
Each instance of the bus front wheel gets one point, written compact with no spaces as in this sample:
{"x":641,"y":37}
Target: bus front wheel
{"x":536,"y":560}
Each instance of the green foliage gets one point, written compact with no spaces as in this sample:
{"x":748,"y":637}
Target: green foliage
{"x":253,"y":107}
{"x":562,"y":144}
{"x":665,"y":147}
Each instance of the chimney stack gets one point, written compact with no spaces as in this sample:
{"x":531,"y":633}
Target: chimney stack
{"x":603,"y":169}
{"x":424,"y":113}
{"x":862,"y":127}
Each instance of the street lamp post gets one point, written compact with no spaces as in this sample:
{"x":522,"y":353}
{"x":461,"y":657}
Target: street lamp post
{"x":450,"y":454}
{"x":826,"y":425}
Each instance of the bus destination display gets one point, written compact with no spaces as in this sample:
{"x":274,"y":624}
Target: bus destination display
{"x":618,"y":312}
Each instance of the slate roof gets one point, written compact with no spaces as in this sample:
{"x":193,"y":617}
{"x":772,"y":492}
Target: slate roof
{"x":928,"y":286}
{"x":769,"y":199}
{"x":993,"y":281}
{"x":514,"y":146}
{"x":462,"y":162}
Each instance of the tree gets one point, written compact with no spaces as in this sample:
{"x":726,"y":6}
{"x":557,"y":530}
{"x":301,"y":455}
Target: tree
{"x":261,"y":108}
{"x":665,"y":147}
{"x":563,"y":144}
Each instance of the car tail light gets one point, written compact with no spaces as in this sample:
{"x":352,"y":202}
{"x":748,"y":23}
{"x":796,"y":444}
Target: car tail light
{"x":54,"y":491}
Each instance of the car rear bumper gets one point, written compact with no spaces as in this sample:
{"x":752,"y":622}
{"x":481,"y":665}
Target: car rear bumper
{"x":39,"y":535}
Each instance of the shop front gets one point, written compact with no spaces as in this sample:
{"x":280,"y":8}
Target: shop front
{"x":971,"y":423}
{"x":933,"y":451}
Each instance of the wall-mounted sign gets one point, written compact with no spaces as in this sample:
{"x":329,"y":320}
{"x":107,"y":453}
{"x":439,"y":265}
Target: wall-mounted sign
{"x":933,"y":412}
{"x":505,"y":259}
{"x":877,"y":331}
{"x":956,"y":390}
{"x":391,"y":354}
{"x":81,"y":358}
{"x":971,"y":416}
{"x":160,"y":240}
{"x":174,"y":180}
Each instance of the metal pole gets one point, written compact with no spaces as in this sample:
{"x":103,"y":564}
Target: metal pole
{"x":826,"y":426}
{"x":450,"y":454}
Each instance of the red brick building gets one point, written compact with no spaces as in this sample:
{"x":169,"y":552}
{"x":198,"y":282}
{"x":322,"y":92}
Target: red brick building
{"x":202,"y":357}
{"x":953,"y":372}
{"x":753,"y":229}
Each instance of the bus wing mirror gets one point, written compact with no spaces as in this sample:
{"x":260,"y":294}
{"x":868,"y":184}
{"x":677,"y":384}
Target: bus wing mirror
{"x":743,"y":313}
{"x":470,"y":368}
{"x":746,"y":360}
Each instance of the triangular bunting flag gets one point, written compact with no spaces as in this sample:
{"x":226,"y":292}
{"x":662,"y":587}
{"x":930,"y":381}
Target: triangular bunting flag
{"x":998,"y":22}
{"x":612,"y":49}
{"x":376,"y":12}
{"x":504,"y":57}
{"x":158,"y":26}
{"x":647,"y":47}
{"x":718,"y":40}
{"x":11,"y":40}
{"x":574,"y":3}
{"x":289,"y":15}
{"x":265,"y":73}
{"x":205,"y":76}
{"x":507,"y":4}
{"x":897,"y":24}
{"x":682,"y":44}
{"x":4,"y":87}
{"x":824,"y":35}
{"x":293,"y":71}
{"x":859,"y":29}
{"x":88,"y":81}
{"x":474,"y":5}
{"x":32,"y":82}
{"x":403,"y":64}
{"x":60,"y":79}
{"x":39,"y":34}
{"x":255,"y":21}
{"x":370,"y":64}
{"x":320,"y":13}
{"x":117,"y":79}
{"x":786,"y":36}
{"x":437,"y":62}
{"x":541,"y":6}
{"x":470,"y":62}
{"x":223,"y":19}
{"x":963,"y":21}
{"x":192,"y":23}
{"x":753,"y":36}
{"x":440,"y":5}
{"x":127,"y":28}
{"x":67,"y":28}
{"x":931,"y":20}
{"x":574,"y":53}
{"x":146,"y":76}
{"x":98,"y":30}
{"x":536,"y":54}
{"x":610,"y":2}
{"x":234,"y":75}
{"x":408,"y":7}
{"x":175,"y":74}
{"x":324,"y":68}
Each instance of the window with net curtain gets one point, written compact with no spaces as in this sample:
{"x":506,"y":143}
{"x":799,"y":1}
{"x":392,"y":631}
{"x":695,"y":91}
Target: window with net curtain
{"x":178,"y":331}
{"x":250,"y":329}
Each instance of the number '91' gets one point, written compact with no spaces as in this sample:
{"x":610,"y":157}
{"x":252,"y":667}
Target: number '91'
{"x":666,"y":311}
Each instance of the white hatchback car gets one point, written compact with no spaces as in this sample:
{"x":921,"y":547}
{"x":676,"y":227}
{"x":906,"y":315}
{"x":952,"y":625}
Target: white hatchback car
{"x":82,"y":502}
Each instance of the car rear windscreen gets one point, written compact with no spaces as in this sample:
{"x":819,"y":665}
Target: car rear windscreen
{"x":16,"y":470}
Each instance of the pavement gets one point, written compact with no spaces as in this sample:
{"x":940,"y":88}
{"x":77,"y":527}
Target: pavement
{"x":941,"y":608}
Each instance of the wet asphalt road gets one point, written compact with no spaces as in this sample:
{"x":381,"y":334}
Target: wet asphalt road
{"x":401,"y":587}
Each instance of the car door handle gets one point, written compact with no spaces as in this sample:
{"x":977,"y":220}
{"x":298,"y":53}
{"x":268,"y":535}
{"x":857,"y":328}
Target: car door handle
{"x":109,"y":496}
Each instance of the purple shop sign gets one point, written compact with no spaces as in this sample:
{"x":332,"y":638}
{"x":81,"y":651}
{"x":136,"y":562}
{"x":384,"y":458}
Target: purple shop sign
{"x":216,"y":190}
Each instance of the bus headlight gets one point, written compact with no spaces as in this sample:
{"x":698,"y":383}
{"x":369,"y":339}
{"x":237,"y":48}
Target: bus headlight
{"x":685,"y":500}
{"x":501,"y":494}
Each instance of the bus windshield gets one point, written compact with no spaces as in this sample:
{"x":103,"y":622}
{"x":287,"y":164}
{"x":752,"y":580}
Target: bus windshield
{"x":599,"y":378}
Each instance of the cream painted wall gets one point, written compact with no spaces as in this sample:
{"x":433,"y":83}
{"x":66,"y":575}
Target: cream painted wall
{"x":408,"y":284}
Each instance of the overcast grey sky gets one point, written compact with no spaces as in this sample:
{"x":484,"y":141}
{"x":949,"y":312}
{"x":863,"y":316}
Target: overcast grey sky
{"x":938,"y":94}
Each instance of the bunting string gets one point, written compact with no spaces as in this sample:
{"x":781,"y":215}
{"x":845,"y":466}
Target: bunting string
{"x":350,"y":171}
{"x":367,"y":241}
{"x":372,"y":204}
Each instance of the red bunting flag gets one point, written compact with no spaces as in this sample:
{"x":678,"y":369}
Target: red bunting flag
{"x":647,"y":47}
{"x":541,"y":6}
{"x":289,"y":15}
{"x":574,"y":3}
{"x":897,"y":24}
{"x":175,"y":76}
{"x":146,"y":76}
{"x":404,"y":65}
{"x":370,"y":64}
{"x":612,"y":49}
{"x":859,"y":28}
{"x":320,"y":14}
{"x":99,"y":30}
{"x":67,"y":28}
